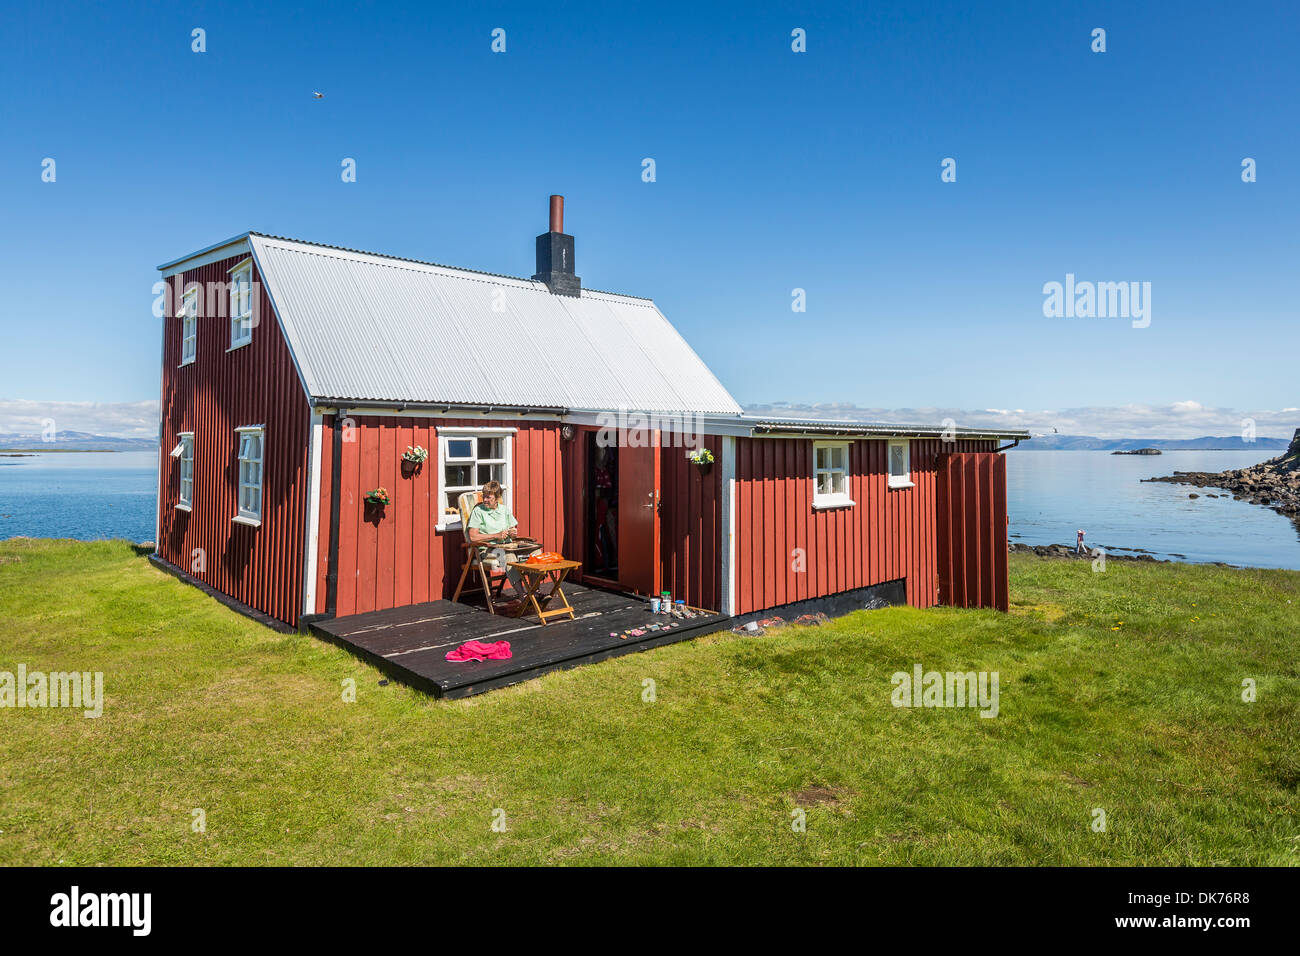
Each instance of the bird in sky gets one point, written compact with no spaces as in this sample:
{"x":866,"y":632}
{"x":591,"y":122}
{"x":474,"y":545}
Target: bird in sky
{"x":319,"y":96}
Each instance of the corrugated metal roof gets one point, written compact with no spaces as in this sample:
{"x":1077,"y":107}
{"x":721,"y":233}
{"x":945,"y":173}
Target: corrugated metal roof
{"x":370,"y":327}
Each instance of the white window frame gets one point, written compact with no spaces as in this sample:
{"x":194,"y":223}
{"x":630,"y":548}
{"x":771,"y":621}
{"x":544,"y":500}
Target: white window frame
{"x":241,"y":305}
{"x":250,"y":516}
{"x":899,"y":481}
{"x":839,"y":499}
{"x":189,"y":316}
{"x":185,"y":502}
{"x":446,"y":521}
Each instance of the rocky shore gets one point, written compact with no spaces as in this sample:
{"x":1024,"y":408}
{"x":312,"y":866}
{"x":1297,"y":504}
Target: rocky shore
{"x":1067,"y":551}
{"x":1274,"y":483}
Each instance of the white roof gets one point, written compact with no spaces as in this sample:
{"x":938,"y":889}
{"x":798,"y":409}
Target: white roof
{"x":371,"y":327}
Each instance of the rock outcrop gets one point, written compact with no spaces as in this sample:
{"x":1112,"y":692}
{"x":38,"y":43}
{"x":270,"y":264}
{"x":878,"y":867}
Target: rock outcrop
{"x":1274,"y":483}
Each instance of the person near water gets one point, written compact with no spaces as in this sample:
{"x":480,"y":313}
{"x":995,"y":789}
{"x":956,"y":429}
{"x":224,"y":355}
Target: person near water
{"x":1078,"y":542}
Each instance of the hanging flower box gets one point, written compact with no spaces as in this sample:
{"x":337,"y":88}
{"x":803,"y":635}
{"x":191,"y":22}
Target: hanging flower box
{"x":702,"y":458}
{"x":378,"y":497}
{"x":413,"y":459}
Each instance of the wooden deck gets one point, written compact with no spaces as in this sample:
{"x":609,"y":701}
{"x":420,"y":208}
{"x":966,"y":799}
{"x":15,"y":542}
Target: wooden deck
{"x":409,"y":644}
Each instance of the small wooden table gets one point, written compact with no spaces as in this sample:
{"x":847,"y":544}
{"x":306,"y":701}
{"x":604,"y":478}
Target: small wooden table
{"x":537,"y":574}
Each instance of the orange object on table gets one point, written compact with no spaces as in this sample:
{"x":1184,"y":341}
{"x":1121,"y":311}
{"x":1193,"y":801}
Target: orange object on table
{"x":544,"y":557}
{"x":535,"y":574}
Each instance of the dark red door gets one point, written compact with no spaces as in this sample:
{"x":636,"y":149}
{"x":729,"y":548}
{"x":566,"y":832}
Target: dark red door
{"x":638,"y":513}
{"x":972,"y":529}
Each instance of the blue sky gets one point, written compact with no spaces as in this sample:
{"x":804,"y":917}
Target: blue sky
{"x":775,"y":170}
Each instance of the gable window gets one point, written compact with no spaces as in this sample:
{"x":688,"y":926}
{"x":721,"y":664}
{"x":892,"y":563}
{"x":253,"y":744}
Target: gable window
{"x":189,"y":326}
{"x":831,"y":474}
{"x":251,"y":441}
{"x":185,"y":499}
{"x":241,"y":304}
{"x":467,"y":459}
{"x":900,"y":463}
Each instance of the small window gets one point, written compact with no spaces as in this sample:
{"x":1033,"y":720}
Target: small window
{"x":189,"y":326}
{"x":185,"y":500}
{"x":241,"y":304}
{"x":251,"y":441}
{"x":831,"y":474}
{"x":470,"y":459}
{"x":900,"y":464}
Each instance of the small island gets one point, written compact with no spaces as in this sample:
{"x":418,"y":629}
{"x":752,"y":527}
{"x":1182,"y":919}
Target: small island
{"x":1138,"y":451}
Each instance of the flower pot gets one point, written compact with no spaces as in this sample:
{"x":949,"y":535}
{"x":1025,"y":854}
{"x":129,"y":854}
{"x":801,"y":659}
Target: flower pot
{"x":705,"y":467}
{"x":411,"y":468}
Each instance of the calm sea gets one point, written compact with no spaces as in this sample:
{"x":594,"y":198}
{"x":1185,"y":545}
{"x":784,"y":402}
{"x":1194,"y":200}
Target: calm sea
{"x":79,"y":495}
{"x":1050,"y":495}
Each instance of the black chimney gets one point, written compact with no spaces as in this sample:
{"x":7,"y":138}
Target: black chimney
{"x":555,"y":255}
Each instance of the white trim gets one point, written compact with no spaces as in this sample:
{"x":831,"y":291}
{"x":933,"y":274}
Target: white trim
{"x":222,"y":250}
{"x":907,"y":450}
{"x":192,"y":321}
{"x":247,"y":516}
{"x":181,"y":506}
{"x":185,"y":504}
{"x":728,"y":523}
{"x":162,"y":410}
{"x":832,"y":499}
{"x":312,"y":550}
{"x":238,"y":319}
{"x":823,"y":502}
{"x":471,"y":430}
{"x":448,"y":522}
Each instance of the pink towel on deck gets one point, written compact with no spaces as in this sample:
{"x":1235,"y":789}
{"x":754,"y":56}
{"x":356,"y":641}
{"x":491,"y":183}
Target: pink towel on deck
{"x":479,"y":651}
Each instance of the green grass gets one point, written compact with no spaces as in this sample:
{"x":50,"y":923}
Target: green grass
{"x":206,"y":709}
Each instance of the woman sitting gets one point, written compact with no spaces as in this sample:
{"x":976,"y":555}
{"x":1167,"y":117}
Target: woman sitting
{"x":492,"y":523}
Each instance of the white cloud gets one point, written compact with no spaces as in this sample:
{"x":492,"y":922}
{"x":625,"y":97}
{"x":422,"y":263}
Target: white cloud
{"x":1185,"y":419}
{"x":117,"y":419}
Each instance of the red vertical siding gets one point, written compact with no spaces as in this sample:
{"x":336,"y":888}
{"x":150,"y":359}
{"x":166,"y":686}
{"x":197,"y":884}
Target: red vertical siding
{"x":394,"y":556}
{"x":972,"y":539}
{"x":220,"y":391}
{"x":888,"y":534}
{"x":690,"y":528}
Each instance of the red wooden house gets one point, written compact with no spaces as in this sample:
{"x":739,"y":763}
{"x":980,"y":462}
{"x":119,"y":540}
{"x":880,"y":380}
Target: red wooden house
{"x":295,"y":374}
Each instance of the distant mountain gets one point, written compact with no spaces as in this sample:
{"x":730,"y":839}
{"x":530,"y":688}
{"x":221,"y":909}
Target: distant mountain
{"x":1088,"y":443}
{"x":77,"y":441}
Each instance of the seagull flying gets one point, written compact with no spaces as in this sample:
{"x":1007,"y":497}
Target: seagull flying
{"x":319,"y":96}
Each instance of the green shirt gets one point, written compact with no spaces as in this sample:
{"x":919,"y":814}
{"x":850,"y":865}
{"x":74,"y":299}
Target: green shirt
{"x":492,"y":521}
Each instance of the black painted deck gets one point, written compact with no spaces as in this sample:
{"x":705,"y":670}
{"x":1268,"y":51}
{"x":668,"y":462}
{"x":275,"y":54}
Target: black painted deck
{"x":409,"y":643}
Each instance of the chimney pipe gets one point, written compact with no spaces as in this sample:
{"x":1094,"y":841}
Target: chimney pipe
{"x":555,"y":255}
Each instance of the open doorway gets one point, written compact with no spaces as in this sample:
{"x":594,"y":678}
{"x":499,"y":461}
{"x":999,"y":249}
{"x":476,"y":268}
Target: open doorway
{"x":602,"y":510}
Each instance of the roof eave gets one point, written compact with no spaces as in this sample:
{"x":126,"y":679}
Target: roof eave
{"x":242,"y":237}
{"x":882,"y":430}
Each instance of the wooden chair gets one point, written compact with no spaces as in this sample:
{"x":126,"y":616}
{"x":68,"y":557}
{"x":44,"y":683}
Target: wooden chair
{"x":477,"y":558}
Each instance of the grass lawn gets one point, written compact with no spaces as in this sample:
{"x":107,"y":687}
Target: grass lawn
{"x":206,"y":709}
